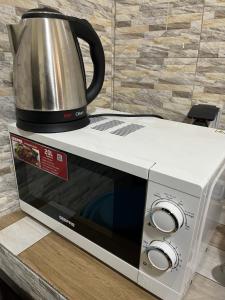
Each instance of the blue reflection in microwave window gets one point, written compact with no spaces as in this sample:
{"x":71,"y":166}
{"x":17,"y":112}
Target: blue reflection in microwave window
{"x":100,"y":211}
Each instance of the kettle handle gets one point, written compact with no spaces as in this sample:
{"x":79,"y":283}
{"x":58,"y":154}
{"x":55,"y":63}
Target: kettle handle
{"x":83,"y":29}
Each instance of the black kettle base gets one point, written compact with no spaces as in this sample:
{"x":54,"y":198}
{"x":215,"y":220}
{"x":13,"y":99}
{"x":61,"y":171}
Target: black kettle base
{"x":52,"y":127}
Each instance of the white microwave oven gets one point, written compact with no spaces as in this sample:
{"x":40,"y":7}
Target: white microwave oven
{"x":141,"y":194}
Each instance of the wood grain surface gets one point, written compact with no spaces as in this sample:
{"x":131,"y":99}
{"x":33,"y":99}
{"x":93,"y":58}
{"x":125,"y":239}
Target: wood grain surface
{"x":9,"y":219}
{"x":77,"y":274}
{"x":203,"y":288}
{"x":218,"y":239}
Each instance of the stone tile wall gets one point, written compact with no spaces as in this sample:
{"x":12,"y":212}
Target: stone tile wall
{"x":169,"y":55}
{"x":99,"y":13}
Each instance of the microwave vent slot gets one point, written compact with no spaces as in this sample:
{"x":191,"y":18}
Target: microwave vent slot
{"x":107,"y":125}
{"x":124,"y":131}
{"x":96,"y":119}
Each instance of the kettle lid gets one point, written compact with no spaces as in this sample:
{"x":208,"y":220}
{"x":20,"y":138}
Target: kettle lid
{"x":43,"y":12}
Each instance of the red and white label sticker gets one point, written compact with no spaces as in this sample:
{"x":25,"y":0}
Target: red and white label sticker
{"x":40,"y":156}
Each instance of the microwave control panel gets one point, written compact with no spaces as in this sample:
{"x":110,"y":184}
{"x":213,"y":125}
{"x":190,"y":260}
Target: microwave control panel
{"x":169,"y":223}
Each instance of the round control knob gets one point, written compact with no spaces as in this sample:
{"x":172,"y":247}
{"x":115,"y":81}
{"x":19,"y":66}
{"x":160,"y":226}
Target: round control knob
{"x":162,"y":256}
{"x":166,"y":217}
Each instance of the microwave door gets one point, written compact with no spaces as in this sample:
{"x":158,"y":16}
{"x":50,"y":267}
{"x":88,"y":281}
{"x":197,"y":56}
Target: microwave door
{"x":103,"y":204}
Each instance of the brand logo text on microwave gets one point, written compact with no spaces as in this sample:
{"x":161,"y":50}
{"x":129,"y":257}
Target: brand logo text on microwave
{"x":64,"y":220}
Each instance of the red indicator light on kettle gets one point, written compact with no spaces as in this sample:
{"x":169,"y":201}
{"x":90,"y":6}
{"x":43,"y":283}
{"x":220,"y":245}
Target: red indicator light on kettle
{"x":67,"y":115}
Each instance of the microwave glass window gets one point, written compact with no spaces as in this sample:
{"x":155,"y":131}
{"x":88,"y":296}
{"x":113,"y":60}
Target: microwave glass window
{"x":102,"y":204}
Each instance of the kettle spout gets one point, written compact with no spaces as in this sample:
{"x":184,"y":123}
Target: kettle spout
{"x":15,"y":33}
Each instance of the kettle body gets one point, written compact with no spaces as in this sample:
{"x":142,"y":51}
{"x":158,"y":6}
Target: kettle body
{"x":49,"y":76}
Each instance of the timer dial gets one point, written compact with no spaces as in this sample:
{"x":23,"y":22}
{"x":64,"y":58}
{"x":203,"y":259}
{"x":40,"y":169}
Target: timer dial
{"x":166,"y":217}
{"x":162,"y":255}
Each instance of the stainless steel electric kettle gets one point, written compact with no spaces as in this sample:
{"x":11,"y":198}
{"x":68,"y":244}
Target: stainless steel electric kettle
{"x":49,"y":77}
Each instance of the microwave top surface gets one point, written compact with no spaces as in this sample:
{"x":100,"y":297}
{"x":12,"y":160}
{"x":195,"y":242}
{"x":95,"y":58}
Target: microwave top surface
{"x":136,"y":145}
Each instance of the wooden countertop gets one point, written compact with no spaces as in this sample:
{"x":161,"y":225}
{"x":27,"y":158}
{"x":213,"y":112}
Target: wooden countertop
{"x":78,"y":275}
